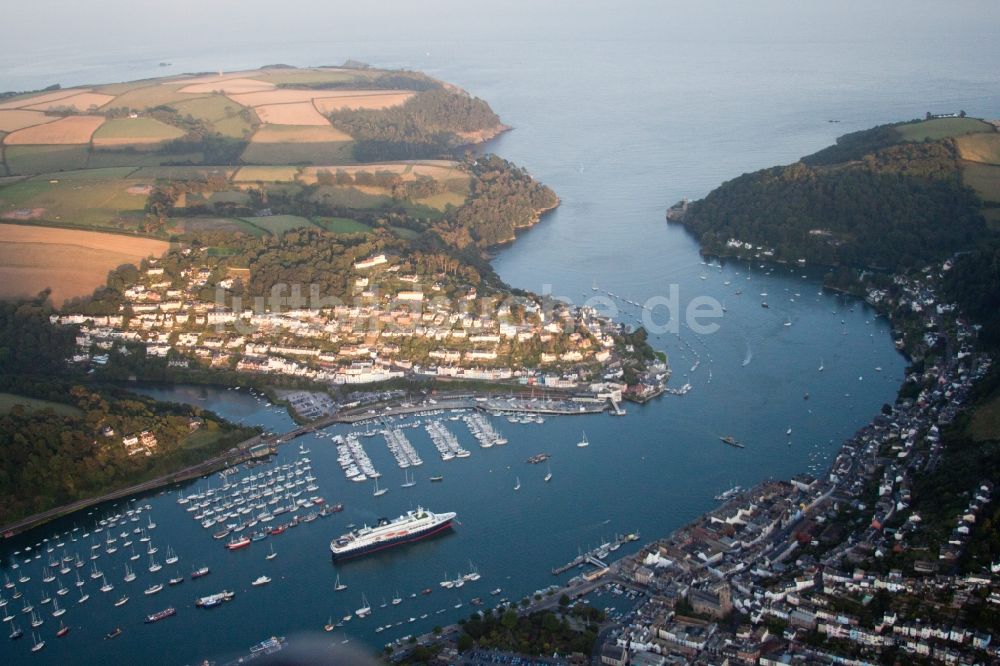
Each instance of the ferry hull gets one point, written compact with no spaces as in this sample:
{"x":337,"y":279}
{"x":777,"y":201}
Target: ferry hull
{"x":384,"y":545}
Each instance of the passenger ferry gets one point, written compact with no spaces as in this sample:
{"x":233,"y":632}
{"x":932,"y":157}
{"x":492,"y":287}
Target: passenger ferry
{"x":411,"y":526}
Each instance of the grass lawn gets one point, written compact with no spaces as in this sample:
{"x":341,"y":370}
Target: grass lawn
{"x":940,"y":128}
{"x":8,"y":400}
{"x":278,"y":224}
{"x":203,"y":438}
{"x":342,"y":225}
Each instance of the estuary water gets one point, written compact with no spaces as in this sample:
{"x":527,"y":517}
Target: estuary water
{"x":621,"y":123}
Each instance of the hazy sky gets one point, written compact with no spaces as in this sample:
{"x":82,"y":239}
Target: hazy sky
{"x":68,"y":40}
{"x":179,"y":23}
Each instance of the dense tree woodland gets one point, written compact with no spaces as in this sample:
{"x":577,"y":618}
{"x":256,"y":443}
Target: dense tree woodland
{"x":540,"y":633}
{"x":871,"y":201}
{"x":53,"y":455}
{"x":426,"y":125}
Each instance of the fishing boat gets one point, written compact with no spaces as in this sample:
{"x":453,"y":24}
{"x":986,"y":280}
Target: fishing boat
{"x":338,"y":586}
{"x":214,"y":600}
{"x":260,"y":580}
{"x":198,"y":573}
{"x":583,"y":442}
{"x":238,"y":542}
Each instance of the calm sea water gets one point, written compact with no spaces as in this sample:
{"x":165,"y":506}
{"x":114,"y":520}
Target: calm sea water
{"x":621,"y":122}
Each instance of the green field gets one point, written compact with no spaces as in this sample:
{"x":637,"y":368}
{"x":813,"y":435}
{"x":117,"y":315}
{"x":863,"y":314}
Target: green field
{"x":404,"y":233}
{"x":278,"y":224}
{"x":8,"y":400}
{"x":181,"y":172}
{"x":328,"y":152}
{"x":179,"y":225}
{"x":984,"y":179}
{"x":342,"y":225}
{"x":108,"y":173}
{"x":941,"y":128}
{"x":222,"y":113}
{"x":302,"y":77}
{"x":122,"y":131}
{"x":76,"y":202}
{"x":110,"y":158}
{"x":349,"y":197}
{"x":442,"y":201}
{"x":45,"y":159}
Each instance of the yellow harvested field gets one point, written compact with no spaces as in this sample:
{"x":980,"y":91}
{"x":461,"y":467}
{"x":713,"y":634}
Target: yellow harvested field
{"x":229,"y":86}
{"x":68,"y":130}
{"x":374,"y":100}
{"x":297,"y":134}
{"x":81,"y":102}
{"x":15,"y":119}
{"x":39,"y":99}
{"x":297,"y":113}
{"x":983,"y":148}
{"x":271,"y":174}
{"x":72,"y":263}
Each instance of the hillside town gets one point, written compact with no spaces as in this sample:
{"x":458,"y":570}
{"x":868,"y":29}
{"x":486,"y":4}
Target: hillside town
{"x":836,"y":569}
{"x":397,"y":324}
{"x":795,"y":572}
